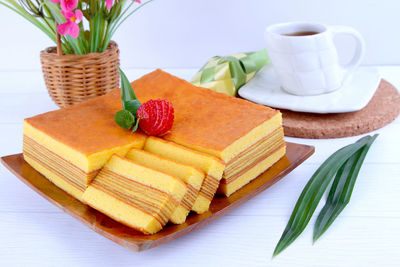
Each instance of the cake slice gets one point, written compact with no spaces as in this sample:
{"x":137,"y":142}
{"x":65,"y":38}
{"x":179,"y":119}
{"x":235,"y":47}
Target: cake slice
{"x":248,"y":164}
{"x":193,"y":177}
{"x":135,"y":195}
{"x":70,"y":145}
{"x":210,"y":165}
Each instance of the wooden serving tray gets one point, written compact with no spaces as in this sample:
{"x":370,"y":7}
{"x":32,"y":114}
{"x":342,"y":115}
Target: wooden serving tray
{"x":135,"y":240}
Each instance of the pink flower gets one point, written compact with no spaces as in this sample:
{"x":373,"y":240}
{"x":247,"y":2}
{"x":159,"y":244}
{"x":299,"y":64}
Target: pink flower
{"x":67,"y":4}
{"x":109,"y":3}
{"x":71,"y":26}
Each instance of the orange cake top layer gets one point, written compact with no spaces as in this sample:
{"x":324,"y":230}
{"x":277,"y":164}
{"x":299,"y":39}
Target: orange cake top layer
{"x":203,"y":118}
{"x":88,"y":127}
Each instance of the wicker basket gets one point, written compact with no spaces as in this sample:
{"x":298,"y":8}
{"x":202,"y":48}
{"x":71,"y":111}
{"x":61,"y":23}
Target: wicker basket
{"x":71,"y":79}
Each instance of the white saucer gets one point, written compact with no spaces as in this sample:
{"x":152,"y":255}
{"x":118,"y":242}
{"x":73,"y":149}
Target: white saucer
{"x":354,"y":94}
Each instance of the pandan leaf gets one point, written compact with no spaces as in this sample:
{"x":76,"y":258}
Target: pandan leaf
{"x":341,"y":190}
{"x":313,"y":192}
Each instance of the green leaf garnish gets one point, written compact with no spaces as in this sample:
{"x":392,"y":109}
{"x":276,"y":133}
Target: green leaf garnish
{"x":124,"y":118}
{"x":127,"y":92}
{"x":341,"y":190}
{"x":131,"y":105}
{"x":136,"y":126}
{"x":313,"y":192}
{"x":127,"y":117}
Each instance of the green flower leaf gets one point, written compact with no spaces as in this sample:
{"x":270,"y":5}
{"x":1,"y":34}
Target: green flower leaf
{"x":124,"y":118}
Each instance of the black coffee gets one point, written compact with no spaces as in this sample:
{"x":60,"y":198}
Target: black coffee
{"x":304,"y":33}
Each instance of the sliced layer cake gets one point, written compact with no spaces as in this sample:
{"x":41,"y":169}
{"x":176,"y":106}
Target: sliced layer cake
{"x":231,"y":140}
{"x":135,"y":195}
{"x":69,"y":146}
{"x":192,"y":176}
{"x":247,"y":137}
{"x":252,"y":161}
{"x":210,"y":165}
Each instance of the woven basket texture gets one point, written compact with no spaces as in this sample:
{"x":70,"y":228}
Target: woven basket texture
{"x":71,"y":79}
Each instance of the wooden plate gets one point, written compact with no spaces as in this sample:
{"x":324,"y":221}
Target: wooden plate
{"x":135,"y":240}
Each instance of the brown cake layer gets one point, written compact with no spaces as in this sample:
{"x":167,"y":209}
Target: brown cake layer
{"x":250,"y":155}
{"x":267,"y":152}
{"x":150,"y":201}
{"x":209,"y":187}
{"x":190,"y":197}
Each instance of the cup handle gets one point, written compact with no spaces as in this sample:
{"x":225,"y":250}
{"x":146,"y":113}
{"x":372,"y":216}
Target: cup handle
{"x":359,"y":51}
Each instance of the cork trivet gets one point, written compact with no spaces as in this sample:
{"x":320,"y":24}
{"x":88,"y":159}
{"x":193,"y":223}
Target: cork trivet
{"x":383,"y":108}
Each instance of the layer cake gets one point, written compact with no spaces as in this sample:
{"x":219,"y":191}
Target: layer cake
{"x":193,"y":177}
{"x":231,"y":140}
{"x":69,"y":146}
{"x":135,"y":195}
{"x":210,"y":165}
{"x":208,"y":121}
{"x":254,"y":160}
{"x":247,"y":137}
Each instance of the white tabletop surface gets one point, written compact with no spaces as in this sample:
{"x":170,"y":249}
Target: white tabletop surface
{"x":33,"y":232}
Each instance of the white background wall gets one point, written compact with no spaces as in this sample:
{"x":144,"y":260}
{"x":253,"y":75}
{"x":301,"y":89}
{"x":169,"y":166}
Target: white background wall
{"x":184,"y":33}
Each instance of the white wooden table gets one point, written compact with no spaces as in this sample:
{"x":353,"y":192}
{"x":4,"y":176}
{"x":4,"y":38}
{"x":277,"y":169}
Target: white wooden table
{"x":33,"y":232}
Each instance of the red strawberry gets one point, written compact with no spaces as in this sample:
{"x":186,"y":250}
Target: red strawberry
{"x":156,"y":117}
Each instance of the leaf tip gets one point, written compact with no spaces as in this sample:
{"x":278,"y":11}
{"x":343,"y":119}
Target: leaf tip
{"x":278,"y":250}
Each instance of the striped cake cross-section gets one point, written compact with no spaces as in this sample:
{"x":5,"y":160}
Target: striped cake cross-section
{"x":135,"y":195}
{"x":69,"y":146}
{"x":210,"y":165}
{"x":193,"y":177}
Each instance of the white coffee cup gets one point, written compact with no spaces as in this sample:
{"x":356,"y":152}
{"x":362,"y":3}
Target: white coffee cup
{"x":306,"y":63}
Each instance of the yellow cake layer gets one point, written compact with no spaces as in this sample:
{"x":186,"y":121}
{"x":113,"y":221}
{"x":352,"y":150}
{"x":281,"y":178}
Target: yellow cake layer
{"x":240,"y":144}
{"x":192,"y":176}
{"x":54,"y":162}
{"x":185,"y":172}
{"x":149,"y":199}
{"x":202,"y":203}
{"x":143,"y":198}
{"x":207,"y":163}
{"x":212,"y":166}
{"x":231,"y":187}
{"x":148,"y":176}
{"x":121,"y":211}
{"x":251,"y":154}
{"x":206,"y":194}
{"x":267,"y":152}
{"x":54,"y":177}
{"x":86,"y":162}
